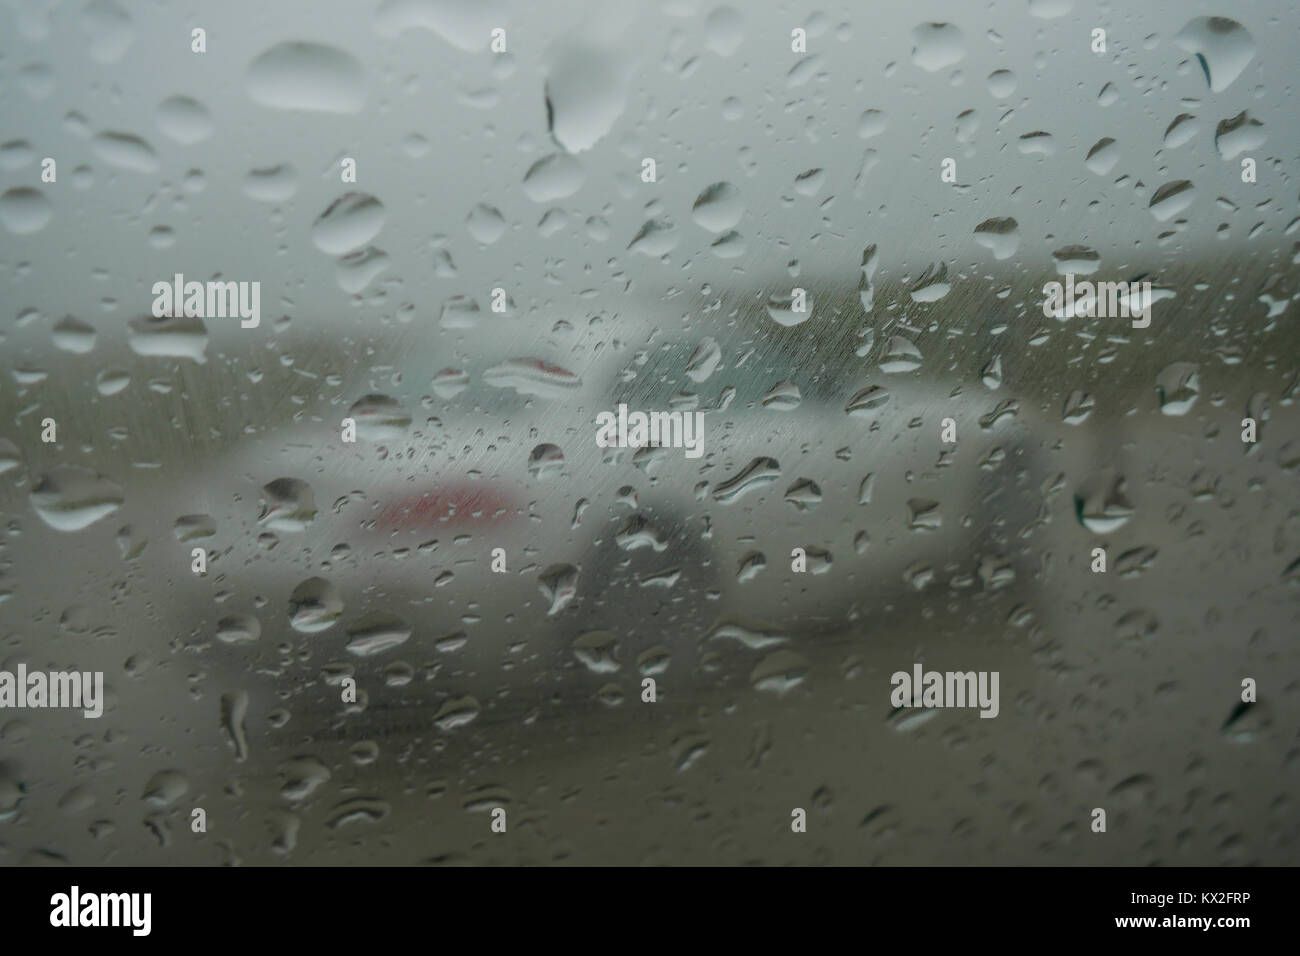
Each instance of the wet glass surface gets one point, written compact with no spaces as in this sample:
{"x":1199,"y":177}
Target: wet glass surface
{"x":363,"y":565}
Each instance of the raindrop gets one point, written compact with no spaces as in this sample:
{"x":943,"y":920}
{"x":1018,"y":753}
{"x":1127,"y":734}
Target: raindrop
{"x":456,"y":712}
{"x":184,"y":119}
{"x":379,"y":418}
{"x":303,"y":776}
{"x":271,"y":184}
{"x":464,"y":24}
{"x":992,"y":373}
{"x":781,"y":309}
{"x":314,"y":606}
{"x":1246,"y":722}
{"x":703,"y":361}
{"x":193,"y":527}
{"x":1181,"y":130}
{"x":376,"y":633}
{"x":125,"y":152}
{"x":24,"y":210}
{"x":559,"y":584}
{"x":1078,"y":406}
{"x":867,"y":400}
{"x":1171,"y":199}
{"x":179,"y":337}
{"x":1238,"y":134}
{"x":923,"y":514}
{"x":932,"y":285}
{"x":553,"y":177}
{"x":1002,"y":83}
{"x":657,"y":237}
{"x":779,"y":672}
{"x":306,"y":76}
{"x":1223,"y":47}
{"x":597,"y":651}
{"x":287,"y":505}
{"x":239,"y":629}
{"x":804,"y":494}
{"x":937,"y":45}
{"x":1100,"y":503}
{"x":751,"y":564}
{"x":529,"y":376}
{"x":758,"y":472}
{"x":73,"y":335}
{"x":486,"y":224}
{"x":349,"y":223}
{"x":900,"y":356}
{"x":1178,"y":386}
{"x":724,"y":30}
{"x":584,"y":95}
{"x":112,"y":380}
{"x":1000,"y":236}
{"x":718,"y":207}
{"x":545,"y":461}
{"x":450,"y":382}
{"x":782,"y":397}
{"x":1037,"y":143}
{"x":1103,"y":156}
{"x":69,"y":497}
{"x":165,"y":788}
{"x":459,"y":312}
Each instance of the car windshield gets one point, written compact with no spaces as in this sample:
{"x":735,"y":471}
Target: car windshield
{"x":619,"y":432}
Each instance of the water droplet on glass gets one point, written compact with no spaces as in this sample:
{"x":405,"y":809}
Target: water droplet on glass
{"x":379,"y":418}
{"x":937,"y":45}
{"x":314,"y":606}
{"x":24,"y":210}
{"x":1100,"y":503}
{"x":311,"y":77}
{"x":69,"y":497}
{"x":1223,"y":48}
{"x":718,"y":207}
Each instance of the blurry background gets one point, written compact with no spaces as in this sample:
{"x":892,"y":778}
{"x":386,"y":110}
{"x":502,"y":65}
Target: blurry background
{"x":522,"y":170}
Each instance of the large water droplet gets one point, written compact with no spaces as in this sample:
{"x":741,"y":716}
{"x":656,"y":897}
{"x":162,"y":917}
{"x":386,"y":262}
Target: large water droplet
{"x":376,"y":633}
{"x":937,"y":45}
{"x":69,"y":497}
{"x":718,"y":207}
{"x":306,"y":76}
{"x":465,"y":24}
{"x":1000,"y":236}
{"x":553,"y":177}
{"x":1178,"y":386}
{"x":70,"y":334}
{"x":314,"y":606}
{"x":529,"y":376}
{"x":900,"y":356}
{"x":584,"y":95}
{"x":170,"y":337}
{"x":1223,"y":47}
{"x":379,"y":418}
{"x":1103,"y":156}
{"x":348,"y":223}
{"x":781,"y":308}
{"x":559,"y":584}
{"x":184,"y":119}
{"x":724,"y":30}
{"x":1100,"y":503}
{"x":287,"y":505}
{"x":1238,"y":134}
{"x":125,"y":151}
{"x":24,"y":210}
{"x":1171,"y":199}
{"x":757,"y":473}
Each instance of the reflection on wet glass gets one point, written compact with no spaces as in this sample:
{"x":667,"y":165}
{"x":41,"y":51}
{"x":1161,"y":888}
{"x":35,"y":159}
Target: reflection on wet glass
{"x":625,"y":433}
